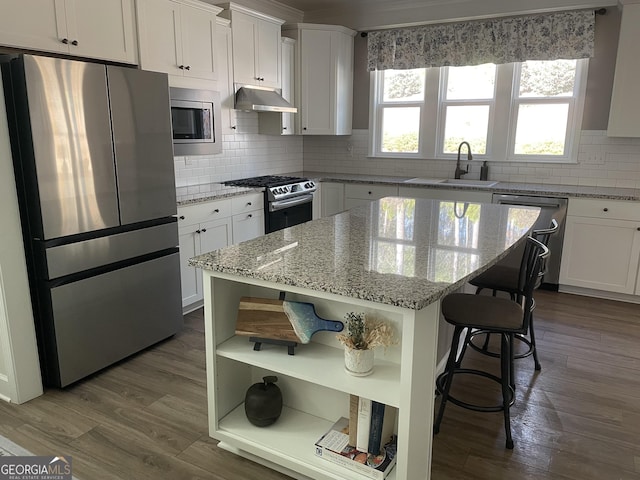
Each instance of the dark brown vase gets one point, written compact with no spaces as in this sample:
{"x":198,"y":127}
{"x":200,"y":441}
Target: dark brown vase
{"x":263,"y":402}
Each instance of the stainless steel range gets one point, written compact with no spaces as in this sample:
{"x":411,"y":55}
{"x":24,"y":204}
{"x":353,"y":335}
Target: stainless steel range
{"x":288,"y":200}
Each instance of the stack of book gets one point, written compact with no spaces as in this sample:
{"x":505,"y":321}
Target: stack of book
{"x":365,"y":442}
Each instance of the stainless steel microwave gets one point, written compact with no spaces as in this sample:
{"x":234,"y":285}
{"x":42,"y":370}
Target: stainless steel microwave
{"x":195,"y":121}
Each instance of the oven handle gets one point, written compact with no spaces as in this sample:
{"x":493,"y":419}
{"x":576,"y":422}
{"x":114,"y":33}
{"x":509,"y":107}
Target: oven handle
{"x":282,"y":204}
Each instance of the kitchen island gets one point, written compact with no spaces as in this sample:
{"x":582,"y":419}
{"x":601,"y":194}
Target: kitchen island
{"x":393,"y":260}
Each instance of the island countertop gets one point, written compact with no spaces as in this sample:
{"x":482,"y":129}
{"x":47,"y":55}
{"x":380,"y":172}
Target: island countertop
{"x":404,"y":252}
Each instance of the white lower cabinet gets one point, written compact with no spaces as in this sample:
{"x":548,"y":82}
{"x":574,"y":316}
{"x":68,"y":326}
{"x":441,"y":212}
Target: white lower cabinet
{"x":331,"y":198}
{"x":601,"y":249}
{"x":444,"y":194}
{"x":207,"y":226}
{"x":356,"y":194}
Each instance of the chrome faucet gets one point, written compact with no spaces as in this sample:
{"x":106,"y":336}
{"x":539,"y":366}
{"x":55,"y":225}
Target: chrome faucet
{"x":459,"y":172}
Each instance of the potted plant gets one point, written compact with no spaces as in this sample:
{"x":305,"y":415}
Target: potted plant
{"x":360,"y":337}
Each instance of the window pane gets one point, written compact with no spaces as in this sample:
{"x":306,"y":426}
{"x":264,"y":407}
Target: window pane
{"x":466,"y":123}
{"x":547,"y":79}
{"x":465,"y":83}
{"x":541,"y":129}
{"x":400,"y":129}
{"x":396,"y":218}
{"x":404,"y":85}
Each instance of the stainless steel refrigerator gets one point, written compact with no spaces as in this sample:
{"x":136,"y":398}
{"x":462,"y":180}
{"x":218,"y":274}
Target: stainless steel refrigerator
{"x":93,"y":160}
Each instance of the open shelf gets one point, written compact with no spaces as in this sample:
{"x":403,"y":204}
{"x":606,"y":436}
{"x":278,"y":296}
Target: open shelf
{"x":321,"y":365}
{"x":288,"y":442}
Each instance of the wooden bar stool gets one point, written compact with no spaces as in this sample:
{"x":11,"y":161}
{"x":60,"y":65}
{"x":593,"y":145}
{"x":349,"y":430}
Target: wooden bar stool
{"x":504,"y":277}
{"x":495,"y":315}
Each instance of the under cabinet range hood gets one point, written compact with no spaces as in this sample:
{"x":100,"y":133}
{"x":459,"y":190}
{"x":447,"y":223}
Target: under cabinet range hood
{"x":253,"y":98}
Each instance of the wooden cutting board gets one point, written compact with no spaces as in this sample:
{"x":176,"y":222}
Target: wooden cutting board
{"x":281,"y":320}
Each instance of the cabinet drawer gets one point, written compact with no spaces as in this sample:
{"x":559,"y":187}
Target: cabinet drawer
{"x":204,"y":212}
{"x":369,"y":191}
{"x":247,"y":203}
{"x":598,"y":208}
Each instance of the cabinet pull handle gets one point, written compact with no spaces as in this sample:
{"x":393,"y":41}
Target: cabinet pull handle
{"x":188,"y":67}
{"x":251,"y":216}
{"x":248,"y":204}
{"x":65,"y":40}
{"x":74,"y":43}
{"x":217,"y":210}
{"x":181,"y":217}
{"x":605,"y":209}
{"x":181,"y":67}
{"x":204,"y":230}
{"x":197,"y":231}
{"x":233,"y":128}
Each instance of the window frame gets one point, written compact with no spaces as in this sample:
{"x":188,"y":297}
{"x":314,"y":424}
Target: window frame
{"x":503,"y":113}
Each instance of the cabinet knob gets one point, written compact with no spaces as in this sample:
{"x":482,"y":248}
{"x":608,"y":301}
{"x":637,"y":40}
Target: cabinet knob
{"x":638,"y":229}
{"x":197,"y":231}
{"x":251,"y":216}
{"x":75,"y":43}
{"x":65,"y":40}
{"x":284,"y":128}
{"x":181,"y":217}
{"x":233,"y":127}
{"x":304,"y":128}
{"x":181,"y":67}
{"x":188,"y":67}
{"x":217,"y":210}
{"x":605,"y":209}
{"x":369,"y":193}
{"x":248,"y":204}
{"x":204,"y":230}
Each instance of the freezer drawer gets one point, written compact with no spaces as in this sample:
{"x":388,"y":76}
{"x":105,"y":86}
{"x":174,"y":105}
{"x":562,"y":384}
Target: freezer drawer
{"x":100,"y":320}
{"x":78,"y":256}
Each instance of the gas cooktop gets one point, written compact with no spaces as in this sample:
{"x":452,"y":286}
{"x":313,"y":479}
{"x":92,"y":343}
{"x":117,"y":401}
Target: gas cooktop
{"x":265,"y":181}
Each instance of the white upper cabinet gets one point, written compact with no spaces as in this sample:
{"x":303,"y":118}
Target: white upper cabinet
{"x":224,"y":54}
{"x":178,"y":37}
{"x":85,"y":28}
{"x":276,"y":123}
{"x":324,"y":78}
{"x":624,"y":116}
{"x":256,"y":46}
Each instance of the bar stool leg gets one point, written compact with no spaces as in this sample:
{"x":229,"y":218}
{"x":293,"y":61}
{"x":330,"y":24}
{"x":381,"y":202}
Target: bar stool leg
{"x":532,"y":336}
{"x":448,"y":376}
{"x":506,"y":354}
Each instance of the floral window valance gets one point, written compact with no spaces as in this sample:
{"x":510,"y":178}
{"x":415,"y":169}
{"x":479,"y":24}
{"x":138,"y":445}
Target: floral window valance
{"x":566,"y":35}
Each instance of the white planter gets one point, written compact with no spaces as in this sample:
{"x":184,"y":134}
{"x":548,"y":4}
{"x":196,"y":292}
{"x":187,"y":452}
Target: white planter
{"x":358,"y":362}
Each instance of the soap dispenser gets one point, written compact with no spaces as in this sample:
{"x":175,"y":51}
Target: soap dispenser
{"x":484,"y":171}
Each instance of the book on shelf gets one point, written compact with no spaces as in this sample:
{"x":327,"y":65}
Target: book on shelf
{"x":382,"y":425}
{"x":353,"y":418}
{"x":334,"y":447}
{"x":364,"y":425}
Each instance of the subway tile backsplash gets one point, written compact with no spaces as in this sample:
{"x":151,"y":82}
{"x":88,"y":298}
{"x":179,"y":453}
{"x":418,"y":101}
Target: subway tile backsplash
{"x":602,"y":161}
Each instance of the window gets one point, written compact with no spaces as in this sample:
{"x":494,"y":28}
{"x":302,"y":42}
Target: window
{"x":528,"y":111}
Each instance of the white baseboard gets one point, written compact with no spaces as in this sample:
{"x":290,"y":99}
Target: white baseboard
{"x":589,"y":292}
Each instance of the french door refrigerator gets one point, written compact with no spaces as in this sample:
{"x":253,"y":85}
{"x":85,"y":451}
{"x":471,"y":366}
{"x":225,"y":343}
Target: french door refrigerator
{"x":93,"y":160}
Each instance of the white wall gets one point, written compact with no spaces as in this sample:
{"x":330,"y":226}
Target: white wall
{"x":602,"y":161}
{"x":245,"y":154}
{"x":19,"y":367}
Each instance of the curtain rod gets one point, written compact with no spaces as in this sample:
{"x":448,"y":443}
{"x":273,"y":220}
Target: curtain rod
{"x":599,"y":11}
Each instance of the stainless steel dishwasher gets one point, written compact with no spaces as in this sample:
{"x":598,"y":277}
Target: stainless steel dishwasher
{"x":550,"y":207}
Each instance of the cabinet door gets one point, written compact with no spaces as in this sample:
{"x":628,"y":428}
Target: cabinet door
{"x":600,"y":254}
{"x":198,"y":43}
{"x":268,"y":51}
{"x":245,"y":36}
{"x":247,"y":226}
{"x":215,"y":235}
{"x":224,"y":56}
{"x":288,"y":83}
{"x":159,"y":36}
{"x":34,"y":24}
{"x":102,"y":29}
{"x":190,"y":277}
{"x":318,"y":84}
{"x":332,"y":198}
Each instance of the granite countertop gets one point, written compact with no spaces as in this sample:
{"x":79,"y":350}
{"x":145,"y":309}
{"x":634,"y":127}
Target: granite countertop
{"x":611,"y":193}
{"x":402,"y":252}
{"x":220,"y":191}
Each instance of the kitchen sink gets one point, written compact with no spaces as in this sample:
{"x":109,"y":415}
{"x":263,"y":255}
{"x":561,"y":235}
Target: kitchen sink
{"x":452,"y":181}
{"x":469,"y":182}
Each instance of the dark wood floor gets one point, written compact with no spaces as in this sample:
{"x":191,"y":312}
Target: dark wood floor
{"x":577,"y":419}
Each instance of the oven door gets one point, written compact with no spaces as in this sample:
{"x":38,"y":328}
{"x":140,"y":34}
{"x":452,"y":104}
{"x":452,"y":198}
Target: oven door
{"x":287,"y":213}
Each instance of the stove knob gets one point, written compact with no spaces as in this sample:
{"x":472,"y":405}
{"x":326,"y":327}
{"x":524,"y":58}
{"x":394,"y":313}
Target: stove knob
{"x":312,"y":184}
